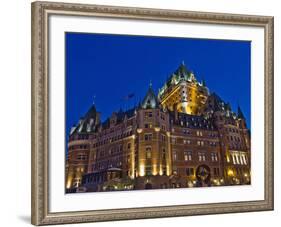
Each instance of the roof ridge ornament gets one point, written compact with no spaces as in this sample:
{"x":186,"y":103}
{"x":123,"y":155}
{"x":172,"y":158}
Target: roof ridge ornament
{"x":150,"y":84}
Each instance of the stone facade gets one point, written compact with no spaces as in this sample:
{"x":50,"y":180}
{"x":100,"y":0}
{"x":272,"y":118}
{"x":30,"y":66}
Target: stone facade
{"x":183,"y":137}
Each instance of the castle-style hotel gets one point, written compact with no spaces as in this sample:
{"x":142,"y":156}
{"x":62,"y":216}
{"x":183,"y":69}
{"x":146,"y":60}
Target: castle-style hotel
{"x":182,"y":137}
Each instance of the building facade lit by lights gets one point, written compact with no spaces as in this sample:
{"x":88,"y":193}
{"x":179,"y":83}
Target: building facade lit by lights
{"x":184,"y":136}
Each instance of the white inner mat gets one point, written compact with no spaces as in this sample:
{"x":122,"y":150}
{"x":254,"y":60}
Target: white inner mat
{"x":61,"y":202}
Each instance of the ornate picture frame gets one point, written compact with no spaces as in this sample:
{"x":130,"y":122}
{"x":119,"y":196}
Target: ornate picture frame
{"x":41,"y":12}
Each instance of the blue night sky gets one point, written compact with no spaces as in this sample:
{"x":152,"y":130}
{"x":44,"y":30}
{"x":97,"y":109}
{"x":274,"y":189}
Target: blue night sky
{"x":109,"y":67}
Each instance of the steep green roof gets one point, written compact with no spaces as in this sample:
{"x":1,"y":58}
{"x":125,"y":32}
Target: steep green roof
{"x":150,"y":100}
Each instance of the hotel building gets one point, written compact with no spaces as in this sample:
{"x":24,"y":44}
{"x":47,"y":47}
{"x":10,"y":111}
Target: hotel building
{"x":184,"y":136}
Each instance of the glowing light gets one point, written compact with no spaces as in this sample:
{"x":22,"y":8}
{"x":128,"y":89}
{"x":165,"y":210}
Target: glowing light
{"x":154,"y":171}
{"x":160,"y":170}
{"x":227,"y":158}
{"x":139,"y":130}
{"x":68,"y":184}
{"x":142,"y":173}
{"x":157,"y":129}
{"x":230,"y":172}
{"x":190,"y":184}
{"x":245,"y":175}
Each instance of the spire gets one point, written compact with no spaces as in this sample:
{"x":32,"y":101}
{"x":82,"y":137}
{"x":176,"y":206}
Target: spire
{"x":203,"y":82}
{"x":150,"y":84}
{"x":240,"y":113}
{"x":150,"y":100}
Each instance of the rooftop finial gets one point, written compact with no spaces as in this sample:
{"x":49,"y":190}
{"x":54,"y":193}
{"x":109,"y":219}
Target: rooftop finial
{"x":94,"y":99}
{"x":150,"y":84}
{"x":182,"y":62}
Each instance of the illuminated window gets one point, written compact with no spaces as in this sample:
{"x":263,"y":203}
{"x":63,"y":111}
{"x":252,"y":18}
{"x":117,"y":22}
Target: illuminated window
{"x":187,"y":155}
{"x":214,"y":157}
{"x":201,"y":156}
{"x":81,"y":157}
{"x":245,"y":159}
{"x":237,"y":159}
{"x":148,"y":152}
{"x":199,"y":133}
{"x":233,"y":159}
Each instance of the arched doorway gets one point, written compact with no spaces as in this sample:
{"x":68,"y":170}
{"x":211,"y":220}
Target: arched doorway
{"x":203,"y":175}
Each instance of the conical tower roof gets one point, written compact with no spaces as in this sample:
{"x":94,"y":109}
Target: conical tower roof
{"x":150,"y":100}
{"x":240,"y":113}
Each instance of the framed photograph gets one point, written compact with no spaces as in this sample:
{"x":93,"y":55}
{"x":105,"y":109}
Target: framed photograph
{"x":149,"y":113}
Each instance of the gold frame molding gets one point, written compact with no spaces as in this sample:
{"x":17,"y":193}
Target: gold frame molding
{"x":40,"y":106}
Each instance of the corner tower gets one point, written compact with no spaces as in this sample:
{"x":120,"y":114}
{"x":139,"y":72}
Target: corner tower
{"x":183,"y":92}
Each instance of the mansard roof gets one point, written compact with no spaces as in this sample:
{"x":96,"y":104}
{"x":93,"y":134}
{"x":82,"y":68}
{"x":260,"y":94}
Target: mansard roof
{"x":150,"y":100}
{"x":219,"y":104}
{"x":120,"y":116}
{"x":192,"y":121}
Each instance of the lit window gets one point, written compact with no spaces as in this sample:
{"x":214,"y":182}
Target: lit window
{"x":148,"y":152}
{"x":245,"y":159}
{"x":187,"y":155}
{"x":199,"y":133}
{"x":201,"y":156}
{"x":81,"y":157}
{"x":214,"y":157}
{"x":233,"y":159}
